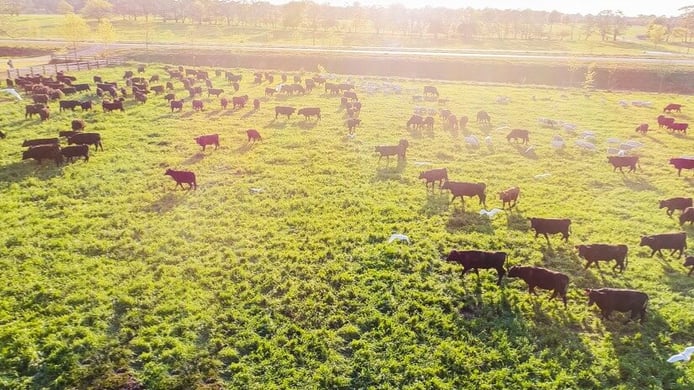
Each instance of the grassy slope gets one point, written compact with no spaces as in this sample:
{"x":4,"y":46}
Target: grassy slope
{"x":106,"y":266}
{"x":50,"y":26}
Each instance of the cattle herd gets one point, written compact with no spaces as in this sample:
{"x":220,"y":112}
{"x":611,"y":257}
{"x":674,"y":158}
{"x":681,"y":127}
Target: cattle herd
{"x":45,"y":89}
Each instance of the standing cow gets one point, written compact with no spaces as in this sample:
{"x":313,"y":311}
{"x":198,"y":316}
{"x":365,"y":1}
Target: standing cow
{"x":595,"y":253}
{"x":548,"y":226}
{"x":542,"y":278}
{"x":613,"y":299}
{"x":474,"y":260}
{"x":676,"y":242}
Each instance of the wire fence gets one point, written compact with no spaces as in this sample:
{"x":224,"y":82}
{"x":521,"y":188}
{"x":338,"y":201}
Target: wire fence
{"x":65,"y":64}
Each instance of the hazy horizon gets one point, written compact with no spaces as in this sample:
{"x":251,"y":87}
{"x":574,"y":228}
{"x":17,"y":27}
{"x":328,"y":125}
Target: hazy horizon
{"x":661,"y":8}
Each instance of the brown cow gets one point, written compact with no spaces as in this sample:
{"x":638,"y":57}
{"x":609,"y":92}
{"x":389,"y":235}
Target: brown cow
{"x":689,"y":261}
{"x":548,"y":226}
{"x":687,"y":216}
{"x":673,"y":204}
{"x":613,"y":299}
{"x":474,"y":260}
{"x":642,"y":128}
{"x":253,"y":135}
{"x":352,"y":123}
{"x":516,"y":134}
{"x":676,"y":242}
{"x":508,"y":196}
{"x":434,"y":175}
{"x":461,"y":189}
{"x":682,"y":163}
{"x":623,"y":161}
{"x":595,"y":253}
{"x":393,"y":150}
{"x":176,"y":105}
{"x":182,"y":177}
{"x":209,"y":139}
{"x":198,"y":105}
{"x":664,"y":121}
{"x":542,"y":278}
{"x":673,"y":107}
{"x":42,"y":152}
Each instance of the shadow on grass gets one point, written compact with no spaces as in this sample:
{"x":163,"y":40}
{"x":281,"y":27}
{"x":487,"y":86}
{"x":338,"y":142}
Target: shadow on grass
{"x":194,"y":159}
{"x":274,"y":124}
{"x":390,"y":172}
{"x":249,"y":113}
{"x":526,"y":151}
{"x":436,"y":203}
{"x":638,"y":183}
{"x":516,"y":221}
{"x":307,"y":125}
{"x":168,"y":201}
{"x":463,"y":221}
{"x":19,"y":170}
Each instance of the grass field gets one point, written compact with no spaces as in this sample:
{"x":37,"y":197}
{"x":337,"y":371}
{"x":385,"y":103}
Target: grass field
{"x":276,"y":271}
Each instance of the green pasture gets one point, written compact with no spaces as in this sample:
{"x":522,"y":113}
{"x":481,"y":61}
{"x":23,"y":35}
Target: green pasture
{"x":562,"y":37}
{"x":276,"y":272}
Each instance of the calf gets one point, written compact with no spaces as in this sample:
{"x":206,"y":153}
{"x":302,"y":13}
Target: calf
{"x":689,"y":261}
{"x":41,"y":141}
{"x":176,"y":105}
{"x":269,"y":91}
{"x":682,"y":163}
{"x":429,"y":122}
{"x":622,"y":300}
{"x":542,"y":278}
{"x":548,"y":226}
{"x":309,"y":112}
{"x":392,"y":150}
{"x":352,"y":123}
{"x":642,"y":128}
{"x":460,"y":189}
{"x":623,"y":161}
{"x":44,"y":152}
{"x":197,"y":105}
{"x":182,"y":177}
{"x":673,"y":107}
{"x":508,"y":196}
{"x":434,"y":175}
{"x":474,"y":260}
{"x":253,"y":135}
{"x":673,"y":204}
{"x":595,"y":253}
{"x":687,"y":216}
{"x":210,"y":139}
{"x":350,"y":95}
{"x":288,"y":111}
{"x":86,"y":139}
{"x":516,"y":134}
{"x":256,"y":104}
{"x":70,"y":152}
{"x":430,"y":90}
{"x":673,"y":241}
{"x":483,"y":117}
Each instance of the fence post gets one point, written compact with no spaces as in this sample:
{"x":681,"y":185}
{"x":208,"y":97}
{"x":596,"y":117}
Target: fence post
{"x":44,"y":69}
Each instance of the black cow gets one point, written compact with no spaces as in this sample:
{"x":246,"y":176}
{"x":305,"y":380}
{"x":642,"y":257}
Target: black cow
{"x":86,"y":139}
{"x":687,"y":216}
{"x":68,"y":104}
{"x":392,"y":150}
{"x":214,"y":91}
{"x":70,"y":152}
{"x":689,"y":261}
{"x":461,"y":189}
{"x":350,"y":95}
{"x":430,"y":90}
{"x":67,"y":133}
{"x":434,"y":175}
{"x":309,"y":112}
{"x":197,"y":105}
{"x":682,"y":163}
{"x":86,"y":105}
{"x":176,"y":105}
{"x":474,"y":260}
{"x":673,"y":204}
{"x":483,"y":117}
{"x":44,"y":152}
{"x":352,"y":123}
{"x":110,"y":106}
{"x":288,"y":111}
{"x":269,"y":91}
{"x":82,"y":87}
{"x":41,"y":141}
{"x":158,"y":89}
{"x":548,"y":226}
{"x":622,"y":300}
{"x":416,"y":121}
{"x":623,"y":161}
{"x":209,"y":139}
{"x":595,"y":253}
{"x":516,"y":134}
{"x":542,"y":278}
{"x":182,"y":177}
{"x":673,"y":241}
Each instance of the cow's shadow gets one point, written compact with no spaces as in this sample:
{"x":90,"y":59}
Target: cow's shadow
{"x":637,"y":183}
{"x":307,"y":125}
{"x":19,"y":170}
{"x":249,"y":113}
{"x":468,"y":222}
{"x":436,"y":203}
{"x":194,"y":159}
{"x":275,"y":124}
{"x":390,"y":172}
{"x":167,"y":202}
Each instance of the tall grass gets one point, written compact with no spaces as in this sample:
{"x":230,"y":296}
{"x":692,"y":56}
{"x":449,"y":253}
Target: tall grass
{"x":276,"y":272}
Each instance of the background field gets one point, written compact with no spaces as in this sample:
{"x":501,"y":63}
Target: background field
{"x":276,"y":272}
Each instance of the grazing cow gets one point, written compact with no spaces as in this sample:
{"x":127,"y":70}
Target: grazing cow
{"x":44,"y":113}
{"x":352,"y":123}
{"x":594,"y":253}
{"x":269,"y":91}
{"x":682,"y":163}
{"x":332,"y":88}
{"x":182,"y":177}
{"x":158,"y":89}
{"x":345,"y":87}
{"x":673,"y":107}
{"x":169,"y":85}
{"x":474,"y":260}
{"x":309,"y":112}
{"x":434,"y":175}
{"x":77,"y":125}
{"x":128,"y":74}
{"x":461,"y":189}
{"x":463,"y":121}
{"x":622,"y":300}
{"x":548,"y":226}
{"x":318,"y":79}
{"x":70,"y":152}
{"x":110,"y":106}
{"x":642,"y":128}
{"x":673,"y":204}
{"x":452,"y":122}
{"x":210,"y":139}
{"x":256,"y":104}
{"x":176,"y":105}
{"x":170,"y":96}
{"x":297,"y":88}
{"x":623,"y":161}
{"x":235,"y":85}
{"x":239,"y":101}
{"x":483,"y":117}
{"x":310,"y":84}
{"x":86,"y":106}
{"x":429,"y":122}
{"x":224,"y":102}
{"x":41,"y":141}
{"x":350,"y":95}
{"x":86,"y":139}
{"x":508,"y":196}
{"x":198,"y":105}
{"x":675,"y":126}
{"x":40,"y":98}
{"x":140,"y":97}
{"x":415,"y":121}
{"x":687,"y":216}
{"x":429,"y":90}
{"x":664,"y":121}
{"x":673,"y":241}
{"x":516,"y":134}
{"x":542,"y":278}
{"x":31,"y":109}
{"x":68,"y":104}
{"x":689,"y":261}
{"x":44,"y":152}
{"x":392,"y":150}
{"x":214,"y":91}
{"x":288,"y":111}
{"x":253,"y":135}
{"x":82,"y":87}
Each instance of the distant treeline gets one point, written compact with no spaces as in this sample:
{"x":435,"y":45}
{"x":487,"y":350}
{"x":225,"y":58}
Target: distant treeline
{"x":606,"y":77}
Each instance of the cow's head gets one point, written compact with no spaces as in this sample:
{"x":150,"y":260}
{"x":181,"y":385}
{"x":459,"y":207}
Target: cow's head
{"x":452,"y":256}
{"x":662,"y":204}
{"x":514,"y":272}
{"x":168,"y":172}
{"x":592,"y":295}
{"x":646,"y":240}
{"x":445,"y":185}
{"x":581,"y":249}
{"x":533,"y":221}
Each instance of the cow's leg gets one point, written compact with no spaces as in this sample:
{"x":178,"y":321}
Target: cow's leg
{"x":588,"y":263}
{"x":547,"y":238}
{"x":531,"y":289}
{"x":690,"y":271}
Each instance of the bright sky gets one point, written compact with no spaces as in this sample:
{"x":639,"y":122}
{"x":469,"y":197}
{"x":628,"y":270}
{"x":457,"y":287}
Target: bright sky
{"x":628,"y":7}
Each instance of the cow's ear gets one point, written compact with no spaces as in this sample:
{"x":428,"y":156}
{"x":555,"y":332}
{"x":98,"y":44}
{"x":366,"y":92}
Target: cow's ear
{"x":587,"y":290}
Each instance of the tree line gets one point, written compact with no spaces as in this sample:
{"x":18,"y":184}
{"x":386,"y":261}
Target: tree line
{"x":462,"y":23}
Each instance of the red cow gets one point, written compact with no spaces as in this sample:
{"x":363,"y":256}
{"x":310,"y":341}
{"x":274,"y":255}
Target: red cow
{"x":508,"y":196}
{"x":604,"y":252}
{"x":474,"y":260}
{"x":542,"y":278}
{"x":253,"y":135}
{"x":182,"y":177}
{"x":434,"y":175}
{"x":613,"y":299}
{"x":209,"y":139}
{"x":673,"y":204}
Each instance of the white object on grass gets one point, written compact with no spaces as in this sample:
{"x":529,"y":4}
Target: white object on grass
{"x":490,"y":213}
{"x":12,"y":92}
{"x":398,"y":237}
{"x":472,"y":140}
{"x":543,"y":175}
{"x":256,"y":190}
{"x":683,"y":356}
{"x":422,"y":163}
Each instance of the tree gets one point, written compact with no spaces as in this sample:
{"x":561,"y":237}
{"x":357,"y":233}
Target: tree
{"x":293,"y":14}
{"x":106,"y":32}
{"x":74,"y":29}
{"x":687,"y":22}
{"x":97,"y":9}
{"x":64,"y":8}
{"x":589,"y":78}
{"x":656,"y":33}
